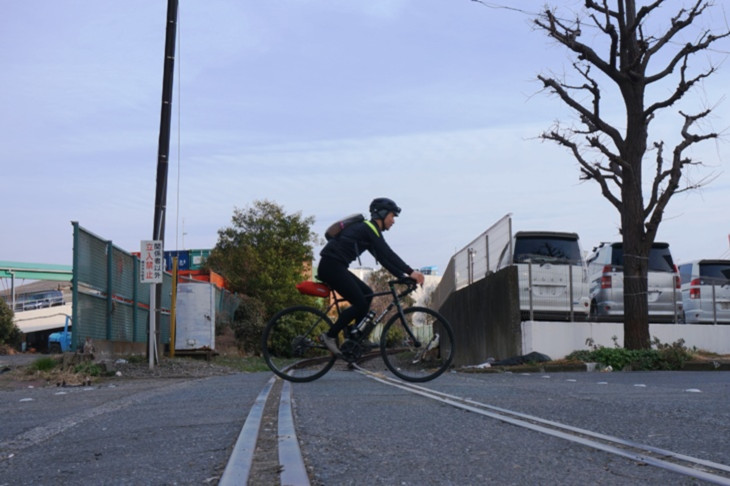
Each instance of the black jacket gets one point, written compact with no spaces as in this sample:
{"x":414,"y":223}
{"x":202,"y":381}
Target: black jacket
{"x":359,"y":237}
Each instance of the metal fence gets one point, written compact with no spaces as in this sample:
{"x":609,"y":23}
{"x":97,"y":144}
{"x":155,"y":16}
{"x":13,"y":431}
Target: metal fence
{"x":475,"y":261}
{"x":109,"y":301}
{"x":553,"y":292}
{"x":545,"y":291}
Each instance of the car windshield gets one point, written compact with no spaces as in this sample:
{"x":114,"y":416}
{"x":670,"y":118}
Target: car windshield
{"x":660,"y":259}
{"x":715,"y":273}
{"x":541,"y":249}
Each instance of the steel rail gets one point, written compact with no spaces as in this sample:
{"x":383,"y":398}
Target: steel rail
{"x":292,"y":468}
{"x":239,"y":464}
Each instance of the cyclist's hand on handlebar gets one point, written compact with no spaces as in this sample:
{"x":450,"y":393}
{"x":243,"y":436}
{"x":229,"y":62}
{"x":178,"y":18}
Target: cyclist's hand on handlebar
{"x":418,"y":277}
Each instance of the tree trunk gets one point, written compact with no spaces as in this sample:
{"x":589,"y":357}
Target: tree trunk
{"x":636,"y":305}
{"x":636,"y":247}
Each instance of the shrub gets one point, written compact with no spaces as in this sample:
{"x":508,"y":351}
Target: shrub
{"x":88,"y":368}
{"x":661,"y":357}
{"x":9,"y":332}
{"x":43,"y":364}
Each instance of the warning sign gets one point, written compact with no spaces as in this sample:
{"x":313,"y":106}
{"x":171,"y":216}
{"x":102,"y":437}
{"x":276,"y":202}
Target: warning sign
{"x":152,"y":261}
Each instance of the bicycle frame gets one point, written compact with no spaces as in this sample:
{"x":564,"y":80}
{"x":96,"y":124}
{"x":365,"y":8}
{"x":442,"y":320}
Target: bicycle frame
{"x":295,"y":349}
{"x":395,"y":295}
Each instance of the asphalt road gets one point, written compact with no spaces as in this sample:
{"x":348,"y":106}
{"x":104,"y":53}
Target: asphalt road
{"x":359,"y":432}
{"x":136,"y":432}
{"x":356,"y":431}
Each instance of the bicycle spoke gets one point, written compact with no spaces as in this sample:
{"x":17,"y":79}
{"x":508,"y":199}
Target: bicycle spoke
{"x":291,"y":344}
{"x":423,"y":358}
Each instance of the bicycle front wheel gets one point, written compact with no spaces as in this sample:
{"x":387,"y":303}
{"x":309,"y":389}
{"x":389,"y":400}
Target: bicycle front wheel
{"x":421,"y":354}
{"x":291,"y":345}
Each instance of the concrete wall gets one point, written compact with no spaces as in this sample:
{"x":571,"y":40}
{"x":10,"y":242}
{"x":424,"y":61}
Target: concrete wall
{"x":558,"y":339}
{"x":109,"y":349}
{"x":486,"y":319}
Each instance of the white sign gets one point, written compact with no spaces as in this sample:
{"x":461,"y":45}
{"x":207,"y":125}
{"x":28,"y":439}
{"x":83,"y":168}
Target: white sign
{"x":152,"y":261}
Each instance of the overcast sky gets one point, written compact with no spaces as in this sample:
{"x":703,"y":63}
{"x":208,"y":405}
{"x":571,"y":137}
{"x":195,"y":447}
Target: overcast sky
{"x":319,"y":106}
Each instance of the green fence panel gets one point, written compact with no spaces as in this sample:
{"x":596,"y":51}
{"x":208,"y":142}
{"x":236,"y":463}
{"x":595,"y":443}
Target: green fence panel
{"x":109,"y":301}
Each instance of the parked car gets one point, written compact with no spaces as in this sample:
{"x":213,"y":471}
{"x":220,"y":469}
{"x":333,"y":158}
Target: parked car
{"x":706,"y":291}
{"x":552,"y":273}
{"x":606,"y":283}
{"x":39,"y":300}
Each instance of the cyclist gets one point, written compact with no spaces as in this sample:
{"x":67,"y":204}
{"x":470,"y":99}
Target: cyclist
{"x":342,"y":250}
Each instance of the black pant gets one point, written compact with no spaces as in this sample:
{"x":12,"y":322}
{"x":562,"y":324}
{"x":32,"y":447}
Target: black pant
{"x":355,"y":291}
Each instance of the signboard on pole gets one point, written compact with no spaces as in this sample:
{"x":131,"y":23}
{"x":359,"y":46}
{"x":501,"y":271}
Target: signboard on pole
{"x":152,"y":261}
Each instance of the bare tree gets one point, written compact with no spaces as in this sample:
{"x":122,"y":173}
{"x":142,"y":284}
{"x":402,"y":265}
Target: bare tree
{"x":611,"y":155}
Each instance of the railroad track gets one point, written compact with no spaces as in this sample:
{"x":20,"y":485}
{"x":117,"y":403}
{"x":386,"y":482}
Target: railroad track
{"x":293,"y":470}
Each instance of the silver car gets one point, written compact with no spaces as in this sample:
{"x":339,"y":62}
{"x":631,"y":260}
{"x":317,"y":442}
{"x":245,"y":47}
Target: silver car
{"x":706,"y":291}
{"x":551,"y":272}
{"x":606,"y":283}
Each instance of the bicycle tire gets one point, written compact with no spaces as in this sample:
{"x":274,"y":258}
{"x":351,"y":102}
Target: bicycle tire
{"x":291,"y":346}
{"x":417,"y":364}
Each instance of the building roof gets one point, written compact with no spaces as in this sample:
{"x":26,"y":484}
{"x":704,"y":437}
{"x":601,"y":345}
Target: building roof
{"x":35,"y":271}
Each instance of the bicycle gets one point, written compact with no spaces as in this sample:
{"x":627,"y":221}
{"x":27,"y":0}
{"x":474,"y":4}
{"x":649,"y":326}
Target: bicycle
{"x":416,"y":343}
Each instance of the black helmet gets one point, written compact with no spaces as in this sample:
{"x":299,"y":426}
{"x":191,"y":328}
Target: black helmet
{"x":381,"y":206}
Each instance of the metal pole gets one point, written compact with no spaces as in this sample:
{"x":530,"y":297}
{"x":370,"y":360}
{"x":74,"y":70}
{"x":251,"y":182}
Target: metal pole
{"x":151,"y":341}
{"x":570,"y":286}
{"x":75,"y":315}
{"x":486,"y":253}
{"x":530,"y":289}
{"x":12,"y":289}
{"x":173,"y":305}
{"x":158,"y":231}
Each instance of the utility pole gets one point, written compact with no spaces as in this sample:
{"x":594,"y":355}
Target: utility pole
{"x":158,"y":231}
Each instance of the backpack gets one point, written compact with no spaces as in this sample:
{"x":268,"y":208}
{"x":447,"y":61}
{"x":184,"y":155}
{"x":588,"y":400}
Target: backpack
{"x":336,"y":228}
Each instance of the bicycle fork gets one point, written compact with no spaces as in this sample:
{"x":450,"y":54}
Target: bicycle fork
{"x":396,"y":303}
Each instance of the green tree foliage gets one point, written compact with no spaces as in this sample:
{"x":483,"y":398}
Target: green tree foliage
{"x":9,"y":332}
{"x":264,"y":254}
{"x":248,"y":324}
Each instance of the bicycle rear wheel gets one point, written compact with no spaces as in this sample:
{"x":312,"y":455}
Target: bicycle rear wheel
{"x":291,"y":346}
{"x":426,"y":358}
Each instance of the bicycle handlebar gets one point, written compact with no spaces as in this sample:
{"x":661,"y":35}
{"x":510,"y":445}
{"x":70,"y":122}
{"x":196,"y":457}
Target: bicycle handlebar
{"x":412,"y":285}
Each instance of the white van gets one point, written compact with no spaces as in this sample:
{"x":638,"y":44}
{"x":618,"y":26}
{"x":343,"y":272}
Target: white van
{"x":552,"y":274}
{"x":706,"y":291}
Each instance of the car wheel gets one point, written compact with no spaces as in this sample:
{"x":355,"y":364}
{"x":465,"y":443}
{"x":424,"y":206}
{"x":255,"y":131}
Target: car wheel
{"x":594,"y":311}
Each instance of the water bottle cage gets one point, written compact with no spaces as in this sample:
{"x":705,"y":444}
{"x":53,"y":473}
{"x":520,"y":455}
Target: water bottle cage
{"x":367,"y":328}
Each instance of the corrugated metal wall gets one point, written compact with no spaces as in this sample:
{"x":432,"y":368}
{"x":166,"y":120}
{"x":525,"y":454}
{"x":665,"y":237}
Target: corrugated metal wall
{"x":109,"y":301}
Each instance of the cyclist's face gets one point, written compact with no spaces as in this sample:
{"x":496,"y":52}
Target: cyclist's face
{"x":388,"y":221}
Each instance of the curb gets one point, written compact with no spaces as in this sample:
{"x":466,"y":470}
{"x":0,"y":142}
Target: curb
{"x":723,"y":365}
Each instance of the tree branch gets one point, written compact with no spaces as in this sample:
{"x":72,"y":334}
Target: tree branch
{"x":591,"y":119}
{"x":589,"y":171}
{"x":672,"y":176}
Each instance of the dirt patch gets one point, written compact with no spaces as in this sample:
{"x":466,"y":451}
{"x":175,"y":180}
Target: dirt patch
{"x":18,"y":370}
{"x":70,"y":370}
